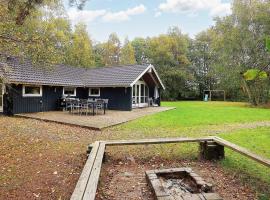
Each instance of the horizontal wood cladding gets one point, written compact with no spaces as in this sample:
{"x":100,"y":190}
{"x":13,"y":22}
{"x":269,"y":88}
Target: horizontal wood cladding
{"x":119,"y":98}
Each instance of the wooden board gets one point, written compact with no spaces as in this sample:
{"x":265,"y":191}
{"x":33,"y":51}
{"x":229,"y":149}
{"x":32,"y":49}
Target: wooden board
{"x":91,"y":188}
{"x":83,"y":180}
{"x":242,"y":151}
{"x":156,"y":141}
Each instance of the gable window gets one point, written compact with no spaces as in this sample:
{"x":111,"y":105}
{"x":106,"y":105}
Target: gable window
{"x":32,"y":91}
{"x":95,"y":92}
{"x":69,"y":91}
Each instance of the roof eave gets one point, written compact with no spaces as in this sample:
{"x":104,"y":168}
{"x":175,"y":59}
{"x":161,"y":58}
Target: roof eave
{"x":141,"y":75}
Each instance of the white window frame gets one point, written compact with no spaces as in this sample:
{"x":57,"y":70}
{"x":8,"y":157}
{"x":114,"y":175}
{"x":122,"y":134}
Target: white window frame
{"x":94,"y":95}
{"x":32,"y":95}
{"x":74,"y":92}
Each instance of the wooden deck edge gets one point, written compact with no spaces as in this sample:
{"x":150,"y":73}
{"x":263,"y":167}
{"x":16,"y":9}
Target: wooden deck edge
{"x":242,"y":151}
{"x":58,"y":122}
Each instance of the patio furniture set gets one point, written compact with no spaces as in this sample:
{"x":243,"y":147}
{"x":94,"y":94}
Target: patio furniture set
{"x":85,"y":106}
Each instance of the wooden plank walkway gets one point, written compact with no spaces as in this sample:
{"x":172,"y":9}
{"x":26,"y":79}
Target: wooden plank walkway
{"x":88,"y":182}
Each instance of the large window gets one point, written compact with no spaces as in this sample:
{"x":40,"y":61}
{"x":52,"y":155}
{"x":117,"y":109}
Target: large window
{"x":32,"y":91}
{"x":94,"y":92}
{"x":69,"y":91}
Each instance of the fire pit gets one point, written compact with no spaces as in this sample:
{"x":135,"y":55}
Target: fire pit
{"x":180,"y":184}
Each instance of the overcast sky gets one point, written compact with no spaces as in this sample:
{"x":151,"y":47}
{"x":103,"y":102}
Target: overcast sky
{"x":142,"y":18}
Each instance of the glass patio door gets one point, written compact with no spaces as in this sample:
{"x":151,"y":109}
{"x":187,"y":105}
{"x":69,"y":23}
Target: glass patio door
{"x":1,"y":97}
{"x":140,"y":94}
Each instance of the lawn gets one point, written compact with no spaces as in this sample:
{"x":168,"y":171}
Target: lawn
{"x":237,"y":122}
{"x":44,"y":160}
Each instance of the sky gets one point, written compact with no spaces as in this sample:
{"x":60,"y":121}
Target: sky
{"x":142,"y":18}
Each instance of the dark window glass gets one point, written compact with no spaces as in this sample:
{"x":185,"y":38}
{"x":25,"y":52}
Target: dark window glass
{"x":94,"y":91}
{"x":69,"y":91}
{"x":32,"y":90}
{"x":142,"y":90}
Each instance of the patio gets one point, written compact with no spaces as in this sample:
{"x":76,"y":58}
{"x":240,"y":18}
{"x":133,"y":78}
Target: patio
{"x":98,"y":122}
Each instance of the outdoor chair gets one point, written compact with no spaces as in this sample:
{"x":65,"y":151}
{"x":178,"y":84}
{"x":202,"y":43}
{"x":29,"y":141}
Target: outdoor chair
{"x":84,"y":106}
{"x":68,"y":105}
{"x":106,"y":102}
{"x":150,"y":102}
{"x":76,"y":106}
{"x":99,"y":105}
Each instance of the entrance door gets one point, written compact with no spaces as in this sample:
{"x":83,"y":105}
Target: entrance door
{"x":1,"y":97}
{"x":140,"y":94}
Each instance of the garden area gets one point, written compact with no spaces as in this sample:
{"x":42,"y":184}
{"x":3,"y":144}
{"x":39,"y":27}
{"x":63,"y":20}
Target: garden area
{"x":43,"y":160}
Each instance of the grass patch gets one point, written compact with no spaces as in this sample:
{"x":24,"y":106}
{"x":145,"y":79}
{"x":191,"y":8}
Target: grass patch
{"x":258,"y":141}
{"x":192,"y":114}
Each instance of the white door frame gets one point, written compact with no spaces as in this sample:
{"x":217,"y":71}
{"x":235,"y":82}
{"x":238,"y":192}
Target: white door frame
{"x":2,"y":97}
{"x":136,"y":100}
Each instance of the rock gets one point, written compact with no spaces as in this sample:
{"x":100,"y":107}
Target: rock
{"x":131,"y":159}
{"x":128,"y":174}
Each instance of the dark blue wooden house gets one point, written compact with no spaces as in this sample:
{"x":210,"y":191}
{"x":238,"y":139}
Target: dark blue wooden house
{"x":28,"y":88}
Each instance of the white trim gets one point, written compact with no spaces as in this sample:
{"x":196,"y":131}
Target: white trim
{"x":158,"y":77}
{"x":138,"y":97}
{"x":93,"y":95}
{"x":3,"y":91}
{"x":140,"y":76}
{"x":74,"y":92}
{"x":32,"y":95}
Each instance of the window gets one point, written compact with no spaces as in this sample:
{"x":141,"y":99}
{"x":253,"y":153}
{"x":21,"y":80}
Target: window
{"x":32,"y":91}
{"x":69,"y":91}
{"x":94,"y":92}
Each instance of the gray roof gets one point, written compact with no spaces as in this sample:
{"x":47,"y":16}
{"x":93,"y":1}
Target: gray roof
{"x":18,"y":71}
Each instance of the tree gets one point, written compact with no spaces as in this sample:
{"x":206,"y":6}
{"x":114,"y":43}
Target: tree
{"x":127,"y":54}
{"x":240,"y":45}
{"x":202,"y":58}
{"x":81,"y":50}
{"x":112,"y":50}
{"x":140,"y":48}
{"x":21,"y":9}
{"x":168,"y":53}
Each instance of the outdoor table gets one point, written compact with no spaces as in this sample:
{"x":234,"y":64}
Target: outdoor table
{"x":94,"y":103}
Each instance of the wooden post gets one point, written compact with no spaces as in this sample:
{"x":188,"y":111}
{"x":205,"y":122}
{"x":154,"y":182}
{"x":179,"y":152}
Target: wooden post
{"x":211,"y":151}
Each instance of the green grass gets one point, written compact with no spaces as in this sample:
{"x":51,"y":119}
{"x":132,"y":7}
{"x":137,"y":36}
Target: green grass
{"x":188,"y":114}
{"x":192,"y":119}
{"x":195,"y":119}
{"x":258,"y":141}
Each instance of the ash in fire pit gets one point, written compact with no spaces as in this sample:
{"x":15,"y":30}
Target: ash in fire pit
{"x":180,"y":184}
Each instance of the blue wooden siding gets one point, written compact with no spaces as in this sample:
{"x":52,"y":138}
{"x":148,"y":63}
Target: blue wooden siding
{"x":119,"y":98}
